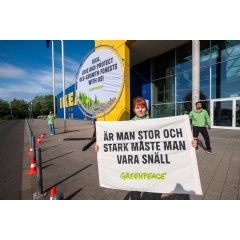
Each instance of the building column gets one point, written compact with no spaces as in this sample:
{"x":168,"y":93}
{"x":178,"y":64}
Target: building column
{"x":195,"y":72}
{"x":121,"y":111}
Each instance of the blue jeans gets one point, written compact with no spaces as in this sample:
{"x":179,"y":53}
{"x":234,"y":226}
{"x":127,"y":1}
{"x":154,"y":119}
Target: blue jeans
{"x":51,"y":127}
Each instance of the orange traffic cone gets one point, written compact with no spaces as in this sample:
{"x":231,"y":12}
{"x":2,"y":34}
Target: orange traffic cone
{"x":39,"y":140}
{"x":52,"y":192}
{"x":33,"y":169}
{"x":66,"y":129}
{"x":30,"y":151}
{"x":42,"y":136}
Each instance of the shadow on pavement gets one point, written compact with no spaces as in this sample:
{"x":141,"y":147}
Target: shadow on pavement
{"x":58,"y":157}
{"x":47,"y":166}
{"x":65,"y":179}
{"x":127,"y":197}
{"x":177,"y":197}
{"x":67,"y":132}
{"x":70,"y":197}
{"x":50,"y":147}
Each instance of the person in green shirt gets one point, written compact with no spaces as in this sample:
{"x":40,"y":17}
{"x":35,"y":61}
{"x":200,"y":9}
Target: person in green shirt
{"x":199,"y":119}
{"x":50,"y":119}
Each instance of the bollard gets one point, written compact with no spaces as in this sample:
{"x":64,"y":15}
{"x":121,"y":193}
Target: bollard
{"x":29,"y":132}
{"x":58,"y":196}
{"x":34,"y":147}
{"x":30,"y":136}
{"x":39,"y":172}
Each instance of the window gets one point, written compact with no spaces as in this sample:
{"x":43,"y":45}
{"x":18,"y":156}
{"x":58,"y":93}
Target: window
{"x":184,"y":58}
{"x":163,"y":65}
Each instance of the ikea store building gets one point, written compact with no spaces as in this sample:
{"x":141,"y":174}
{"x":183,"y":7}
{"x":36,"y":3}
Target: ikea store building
{"x":172,"y":75}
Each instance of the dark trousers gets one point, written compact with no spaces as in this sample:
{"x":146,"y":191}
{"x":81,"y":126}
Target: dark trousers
{"x":204,"y":132}
{"x":135,"y":195}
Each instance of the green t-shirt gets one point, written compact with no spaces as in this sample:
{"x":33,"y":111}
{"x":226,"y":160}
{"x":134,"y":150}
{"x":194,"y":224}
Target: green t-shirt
{"x":50,"y":119}
{"x":138,"y":118}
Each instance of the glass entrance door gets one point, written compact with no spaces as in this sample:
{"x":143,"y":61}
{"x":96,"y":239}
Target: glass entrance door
{"x":238,"y":113}
{"x":225,"y":113}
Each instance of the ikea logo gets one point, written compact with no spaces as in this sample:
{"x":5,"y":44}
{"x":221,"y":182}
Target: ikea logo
{"x":69,"y":99}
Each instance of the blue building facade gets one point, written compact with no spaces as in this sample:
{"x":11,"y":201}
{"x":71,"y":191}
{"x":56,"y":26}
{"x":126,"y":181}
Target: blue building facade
{"x":72,"y":109}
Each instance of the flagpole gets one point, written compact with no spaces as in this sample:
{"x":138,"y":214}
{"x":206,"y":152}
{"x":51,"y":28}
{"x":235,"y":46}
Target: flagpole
{"x":54,"y":98}
{"x":64,"y":97}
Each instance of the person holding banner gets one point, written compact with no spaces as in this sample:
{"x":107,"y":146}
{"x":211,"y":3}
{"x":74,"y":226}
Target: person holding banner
{"x":200,"y":119}
{"x":140,"y":110}
{"x":141,"y":113}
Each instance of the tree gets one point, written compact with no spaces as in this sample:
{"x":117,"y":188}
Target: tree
{"x":37,"y":108}
{"x":47,"y":104}
{"x":37,"y":105}
{"x":4,"y":108}
{"x":20,"y":108}
{"x":42,"y":105}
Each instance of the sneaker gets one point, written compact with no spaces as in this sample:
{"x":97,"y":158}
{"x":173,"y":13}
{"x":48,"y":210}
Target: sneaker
{"x":208,"y":151}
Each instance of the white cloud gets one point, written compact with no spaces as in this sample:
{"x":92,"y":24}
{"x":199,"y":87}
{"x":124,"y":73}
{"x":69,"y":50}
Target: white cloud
{"x":27,"y":83}
{"x":10,"y":71}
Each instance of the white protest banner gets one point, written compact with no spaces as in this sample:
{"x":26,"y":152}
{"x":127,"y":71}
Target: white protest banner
{"x":154,"y":155}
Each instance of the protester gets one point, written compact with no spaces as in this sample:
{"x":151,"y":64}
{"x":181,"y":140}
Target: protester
{"x":51,"y":119}
{"x":141,"y":113}
{"x":200,"y":119}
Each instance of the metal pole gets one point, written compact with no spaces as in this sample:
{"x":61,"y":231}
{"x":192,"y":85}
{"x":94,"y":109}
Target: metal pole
{"x":54,"y":102}
{"x":39,"y":172}
{"x":64,"y":97}
{"x":34,"y":147}
{"x":30,"y":136}
{"x":11,"y":108}
{"x":32,"y":110}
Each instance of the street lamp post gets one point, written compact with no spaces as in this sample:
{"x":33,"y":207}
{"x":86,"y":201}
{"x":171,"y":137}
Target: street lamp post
{"x":11,"y":108}
{"x":32,"y":110}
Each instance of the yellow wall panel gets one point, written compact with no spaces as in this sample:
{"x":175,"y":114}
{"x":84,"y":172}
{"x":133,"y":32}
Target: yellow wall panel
{"x":121,"y":111}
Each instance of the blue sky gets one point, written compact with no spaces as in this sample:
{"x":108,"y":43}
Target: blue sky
{"x":26,"y":66}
